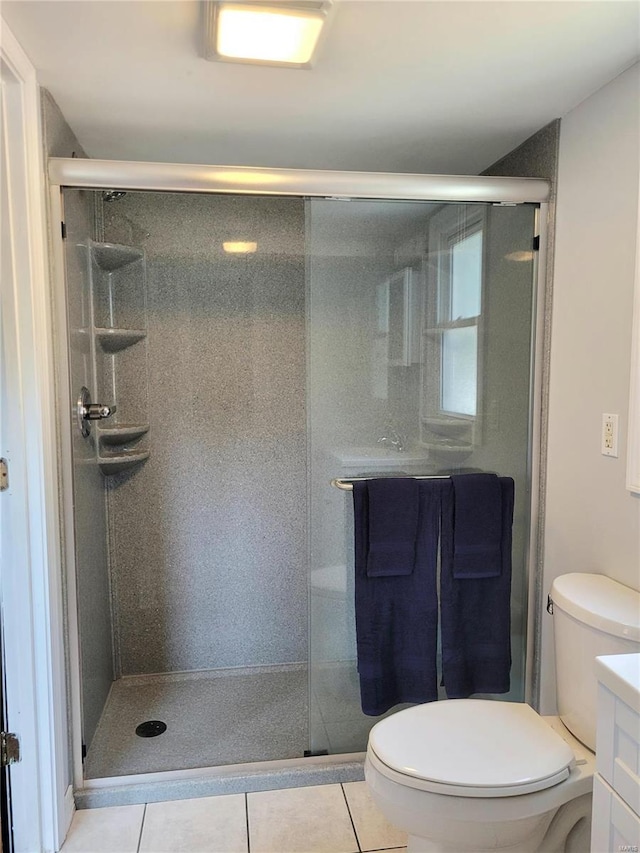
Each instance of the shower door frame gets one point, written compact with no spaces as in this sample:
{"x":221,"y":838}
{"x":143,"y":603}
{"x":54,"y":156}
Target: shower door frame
{"x":76,"y":173}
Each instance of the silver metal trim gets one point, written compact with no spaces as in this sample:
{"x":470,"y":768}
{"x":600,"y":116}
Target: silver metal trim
{"x":536,"y":468}
{"x":185,"y":177}
{"x":346,"y":483}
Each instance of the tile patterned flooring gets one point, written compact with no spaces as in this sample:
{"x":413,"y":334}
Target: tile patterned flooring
{"x":316,"y":819}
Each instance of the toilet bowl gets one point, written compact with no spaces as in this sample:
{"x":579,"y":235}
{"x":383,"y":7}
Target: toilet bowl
{"x":474,"y":775}
{"x":478,"y":775}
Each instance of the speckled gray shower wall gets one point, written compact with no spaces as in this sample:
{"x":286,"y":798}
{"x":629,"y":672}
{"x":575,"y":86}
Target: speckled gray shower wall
{"x":208,"y":537}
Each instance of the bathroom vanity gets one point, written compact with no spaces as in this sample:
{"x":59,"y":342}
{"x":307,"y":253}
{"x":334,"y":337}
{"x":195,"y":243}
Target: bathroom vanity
{"x":616,"y":784}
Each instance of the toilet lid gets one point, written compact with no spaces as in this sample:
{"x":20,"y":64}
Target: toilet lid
{"x":472,"y":747}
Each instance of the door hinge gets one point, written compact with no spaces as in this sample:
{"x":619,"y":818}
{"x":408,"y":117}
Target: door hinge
{"x":63,"y":228}
{"x":536,"y":243}
{"x":4,"y":475}
{"x":9,"y":749}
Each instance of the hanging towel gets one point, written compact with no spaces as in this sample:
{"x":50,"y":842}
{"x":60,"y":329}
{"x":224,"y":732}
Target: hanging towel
{"x":393,"y":526}
{"x":477,"y":526}
{"x":397,"y":616}
{"x":475,"y":612}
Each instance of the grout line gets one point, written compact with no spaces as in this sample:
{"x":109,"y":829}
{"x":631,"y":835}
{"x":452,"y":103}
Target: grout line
{"x":382,"y":849}
{"x":144,"y":814}
{"x":246,"y":817}
{"x":355,"y":831}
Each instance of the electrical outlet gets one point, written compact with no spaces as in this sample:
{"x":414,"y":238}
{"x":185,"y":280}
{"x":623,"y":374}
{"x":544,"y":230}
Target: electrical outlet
{"x":609,"y":435}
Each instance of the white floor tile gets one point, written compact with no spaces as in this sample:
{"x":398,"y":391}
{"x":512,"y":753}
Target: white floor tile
{"x":373,"y":829}
{"x":300,"y":820}
{"x":111,"y":830}
{"x":203,"y":825}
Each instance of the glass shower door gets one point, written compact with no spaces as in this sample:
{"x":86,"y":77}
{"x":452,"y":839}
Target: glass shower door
{"x":419,"y":335}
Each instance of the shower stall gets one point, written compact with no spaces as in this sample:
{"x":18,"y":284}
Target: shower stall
{"x":236,"y":346}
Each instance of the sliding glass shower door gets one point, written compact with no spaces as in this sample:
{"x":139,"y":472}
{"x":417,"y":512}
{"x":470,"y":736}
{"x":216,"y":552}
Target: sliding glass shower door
{"x":249,"y":350}
{"x":420,"y":327}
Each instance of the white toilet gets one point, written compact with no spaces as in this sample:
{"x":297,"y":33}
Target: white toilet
{"x":476,"y":775}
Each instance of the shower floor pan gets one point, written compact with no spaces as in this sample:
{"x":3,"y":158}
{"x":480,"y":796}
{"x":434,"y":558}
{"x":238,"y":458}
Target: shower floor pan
{"x":213,"y":718}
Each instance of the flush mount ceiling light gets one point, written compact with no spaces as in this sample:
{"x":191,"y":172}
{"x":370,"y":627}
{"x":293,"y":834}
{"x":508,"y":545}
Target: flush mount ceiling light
{"x":268,"y":33}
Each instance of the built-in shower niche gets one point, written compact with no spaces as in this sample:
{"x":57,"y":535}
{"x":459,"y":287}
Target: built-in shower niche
{"x":118,"y":280}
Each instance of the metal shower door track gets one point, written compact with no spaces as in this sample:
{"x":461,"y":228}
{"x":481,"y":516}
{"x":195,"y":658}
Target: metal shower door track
{"x":184,"y":177}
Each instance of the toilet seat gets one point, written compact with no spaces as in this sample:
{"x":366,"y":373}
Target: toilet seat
{"x":470,"y":748}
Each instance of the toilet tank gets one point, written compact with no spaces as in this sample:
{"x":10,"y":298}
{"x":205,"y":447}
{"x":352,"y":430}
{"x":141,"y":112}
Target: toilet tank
{"x":593,"y":615}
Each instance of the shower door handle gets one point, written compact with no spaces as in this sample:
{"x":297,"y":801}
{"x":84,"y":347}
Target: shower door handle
{"x":88,"y":411}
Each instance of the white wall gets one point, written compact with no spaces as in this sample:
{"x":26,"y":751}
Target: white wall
{"x":592,"y":522}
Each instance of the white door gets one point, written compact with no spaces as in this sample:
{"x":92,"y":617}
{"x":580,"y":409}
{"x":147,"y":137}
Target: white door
{"x":14,"y":538}
{"x":30,"y":562}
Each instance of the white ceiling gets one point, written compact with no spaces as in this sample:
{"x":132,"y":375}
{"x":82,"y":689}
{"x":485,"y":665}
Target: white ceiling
{"x":433,"y":86}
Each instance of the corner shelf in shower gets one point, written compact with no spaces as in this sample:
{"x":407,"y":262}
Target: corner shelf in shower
{"x":114,"y":340}
{"x":114,"y":436}
{"x":117,"y":279}
{"x":122,"y":461}
{"x":447,"y":427}
{"x":449,"y":452}
{"x":112,"y":256}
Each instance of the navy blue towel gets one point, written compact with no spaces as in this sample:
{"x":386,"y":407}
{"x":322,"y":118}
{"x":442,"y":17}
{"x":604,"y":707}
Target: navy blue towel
{"x":397,"y":616}
{"x":477,"y":526}
{"x":393,"y":526}
{"x":476,"y":613}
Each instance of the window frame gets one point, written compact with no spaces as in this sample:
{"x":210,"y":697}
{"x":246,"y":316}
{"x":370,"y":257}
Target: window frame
{"x":446,"y":227}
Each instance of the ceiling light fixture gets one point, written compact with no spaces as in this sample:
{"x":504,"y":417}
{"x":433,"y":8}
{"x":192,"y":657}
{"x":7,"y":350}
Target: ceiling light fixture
{"x":268,"y":33}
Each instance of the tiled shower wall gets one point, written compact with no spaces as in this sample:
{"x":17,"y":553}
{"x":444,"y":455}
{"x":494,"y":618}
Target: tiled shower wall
{"x":208,"y":537}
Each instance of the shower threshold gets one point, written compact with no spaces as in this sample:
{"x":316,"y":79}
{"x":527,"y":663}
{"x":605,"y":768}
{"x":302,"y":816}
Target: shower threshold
{"x":213,"y":781}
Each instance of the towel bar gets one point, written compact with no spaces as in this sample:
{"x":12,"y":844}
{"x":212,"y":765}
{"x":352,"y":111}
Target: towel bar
{"x":346,"y":483}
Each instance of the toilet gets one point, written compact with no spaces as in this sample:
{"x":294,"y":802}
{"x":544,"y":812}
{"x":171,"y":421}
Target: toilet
{"x":476,"y":774}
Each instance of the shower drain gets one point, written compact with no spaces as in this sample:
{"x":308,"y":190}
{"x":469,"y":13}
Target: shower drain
{"x":152,"y":728}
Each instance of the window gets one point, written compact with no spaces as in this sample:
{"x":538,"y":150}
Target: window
{"x":459,"y":308}
{"x":451,"y":367}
